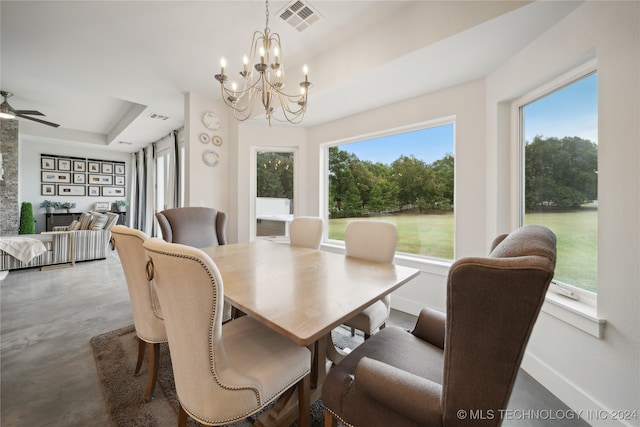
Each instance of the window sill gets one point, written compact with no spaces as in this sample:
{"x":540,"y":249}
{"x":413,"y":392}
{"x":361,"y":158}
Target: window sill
{"x":577,"y":313}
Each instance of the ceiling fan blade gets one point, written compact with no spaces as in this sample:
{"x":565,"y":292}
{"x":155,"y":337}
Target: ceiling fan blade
{"x":38,"y":120}
{"x":30,"y":112}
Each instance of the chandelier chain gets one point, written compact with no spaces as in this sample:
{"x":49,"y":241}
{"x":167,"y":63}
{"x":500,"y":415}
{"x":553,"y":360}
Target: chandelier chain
{"x":266,"y":29}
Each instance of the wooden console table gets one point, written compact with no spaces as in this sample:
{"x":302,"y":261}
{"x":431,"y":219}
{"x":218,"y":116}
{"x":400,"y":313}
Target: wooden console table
{"x":56,"y":219}
{"x":60,"y":219}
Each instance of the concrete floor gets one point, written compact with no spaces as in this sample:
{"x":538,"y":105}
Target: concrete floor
{"x":47,"y":371}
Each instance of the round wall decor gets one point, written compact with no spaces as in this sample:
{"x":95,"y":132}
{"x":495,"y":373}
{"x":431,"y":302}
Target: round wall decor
{"x":204,"y":138}
{"x":217,"y":140}
{"x":210,"y":158}
{"x":211,"y":120}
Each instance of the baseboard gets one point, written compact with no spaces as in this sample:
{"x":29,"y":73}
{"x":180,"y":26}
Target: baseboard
{"x":590,"y":410}
{"x":406,"y":305}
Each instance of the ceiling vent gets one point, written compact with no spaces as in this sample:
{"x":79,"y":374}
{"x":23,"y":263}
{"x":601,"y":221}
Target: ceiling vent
{"x":300,"y":15}
{"x":158,"y":116}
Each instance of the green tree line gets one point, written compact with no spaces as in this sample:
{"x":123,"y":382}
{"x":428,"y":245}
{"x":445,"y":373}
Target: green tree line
{"x":357,"y":186}
{"x":560,"y":174}
{"x":275,"y":175}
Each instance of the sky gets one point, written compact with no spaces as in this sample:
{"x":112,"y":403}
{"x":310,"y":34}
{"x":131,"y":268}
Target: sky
{"x":570,"y":111}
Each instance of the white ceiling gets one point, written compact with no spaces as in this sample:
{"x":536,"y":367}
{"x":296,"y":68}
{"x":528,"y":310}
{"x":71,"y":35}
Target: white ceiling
{"x":101,"y":68}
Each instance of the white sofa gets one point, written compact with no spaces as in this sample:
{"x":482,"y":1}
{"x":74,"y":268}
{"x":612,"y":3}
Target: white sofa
{"x":83,"y":240}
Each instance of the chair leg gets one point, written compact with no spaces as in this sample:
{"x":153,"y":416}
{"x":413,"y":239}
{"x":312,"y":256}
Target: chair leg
{"x":152,"y":374}
{"x":304,"y":400}
{"x":353,"y":332}
{"x":141,"y":347}
{"x":182,"y":417}
{"x":329,"y":421}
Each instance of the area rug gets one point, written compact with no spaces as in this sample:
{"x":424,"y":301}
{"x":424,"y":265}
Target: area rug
{"x":115,"y":354}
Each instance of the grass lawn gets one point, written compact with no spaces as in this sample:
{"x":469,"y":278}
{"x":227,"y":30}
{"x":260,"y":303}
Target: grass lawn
{"x":432,"y":235}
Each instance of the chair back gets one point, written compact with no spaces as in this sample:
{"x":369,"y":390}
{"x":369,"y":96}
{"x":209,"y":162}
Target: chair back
{"x":371,"y":239}
{"x":147,"y":314}
{"x":191,"y":291}
{"x":492,"y":305}
{"x":306,"y":231}
{"x":199,"y":227}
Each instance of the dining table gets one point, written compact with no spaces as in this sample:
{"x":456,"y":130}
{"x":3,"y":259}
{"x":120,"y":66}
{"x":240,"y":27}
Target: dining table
{"x":303,"y":294}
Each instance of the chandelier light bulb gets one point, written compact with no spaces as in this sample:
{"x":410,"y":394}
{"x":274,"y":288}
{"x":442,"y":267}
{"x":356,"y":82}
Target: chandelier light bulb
{"x":223,"y":63}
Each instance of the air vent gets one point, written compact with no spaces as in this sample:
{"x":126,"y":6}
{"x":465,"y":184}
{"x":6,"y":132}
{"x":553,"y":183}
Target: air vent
{"x":300,"y":15}
{"x":158,"y":116}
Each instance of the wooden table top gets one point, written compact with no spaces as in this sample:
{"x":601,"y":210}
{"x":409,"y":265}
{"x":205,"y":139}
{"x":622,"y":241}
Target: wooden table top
{"x":302,"y":293}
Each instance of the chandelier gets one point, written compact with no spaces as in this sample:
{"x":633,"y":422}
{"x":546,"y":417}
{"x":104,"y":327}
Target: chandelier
{"x":264,"y":79}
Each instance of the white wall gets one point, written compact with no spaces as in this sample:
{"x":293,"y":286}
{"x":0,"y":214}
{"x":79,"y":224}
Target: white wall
{"x":205,"y":185}
{"x":582,"y":370}
{"x":29,"y":170}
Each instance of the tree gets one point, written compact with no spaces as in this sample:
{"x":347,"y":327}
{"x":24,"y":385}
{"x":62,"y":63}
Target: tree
{"x":275,"y":175}
{"x":560,"y":173}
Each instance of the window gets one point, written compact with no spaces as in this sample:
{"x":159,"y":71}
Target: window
{"x":559,"y":135}
{"x":274,"y":192}
{"x":406,"y":178}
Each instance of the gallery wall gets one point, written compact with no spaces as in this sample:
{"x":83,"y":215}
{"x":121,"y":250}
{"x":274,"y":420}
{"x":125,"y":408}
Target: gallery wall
{"x":30,"y":175}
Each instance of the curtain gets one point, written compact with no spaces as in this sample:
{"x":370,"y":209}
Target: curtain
{"x":142,"y":192}
{"x":144,"y":187}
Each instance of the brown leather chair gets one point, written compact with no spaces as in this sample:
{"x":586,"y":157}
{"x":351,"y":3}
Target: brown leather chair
{"x":147,"y":315}
{"x":466,"y":360}
{"x":199,"y":227}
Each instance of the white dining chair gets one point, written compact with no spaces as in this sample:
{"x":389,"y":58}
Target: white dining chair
{"x":223,"y":373}
{"x":372,"y":240}
{"x":306,"y":231}
{"x":147,"y":314}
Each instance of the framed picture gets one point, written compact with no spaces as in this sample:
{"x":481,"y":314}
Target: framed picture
{"x":119,"y":180}
{"x":107,"y":168}
{"x":47,"y":163}
{"x":112,"y":191}
{"x":93,"y":167}
{"x":94,"y":191}
{"x":79,"y":178}
{"x":119,"y":168}
{"x":102,"y":206}
{"x":71,"y":190}
{"x":64,"y":164}
{"x":48,"y":190}
{"x":55,"y":177}
{"x":101,"y":179}
{"x":79,"y":166}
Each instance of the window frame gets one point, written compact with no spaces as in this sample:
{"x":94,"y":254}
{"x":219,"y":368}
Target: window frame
{"x":405,"y":258}
{"x":253,"y":184}
{"x":567,"y":302}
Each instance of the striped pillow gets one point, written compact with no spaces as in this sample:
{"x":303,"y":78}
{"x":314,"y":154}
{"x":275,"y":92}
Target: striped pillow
{"x":85,"y":220}
{"x":98,"y":221}
{"x":112,"y":220}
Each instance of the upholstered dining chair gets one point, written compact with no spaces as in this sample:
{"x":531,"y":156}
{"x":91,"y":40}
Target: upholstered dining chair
{"x":306,"y":231}
{"x":199,"y":227}
{"x":375,"y":241}
{"x":147,"y":315}
{"x":223,"y":373}
{"x":464,"y":360}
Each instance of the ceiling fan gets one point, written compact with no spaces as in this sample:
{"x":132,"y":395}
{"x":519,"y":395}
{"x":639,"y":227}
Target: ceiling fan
{"x":8,"y":112}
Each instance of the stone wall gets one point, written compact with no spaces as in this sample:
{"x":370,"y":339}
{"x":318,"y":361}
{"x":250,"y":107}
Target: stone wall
{"x":9,"y":203}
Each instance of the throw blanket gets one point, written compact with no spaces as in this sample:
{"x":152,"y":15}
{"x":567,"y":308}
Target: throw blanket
{"x":22,"y":248}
